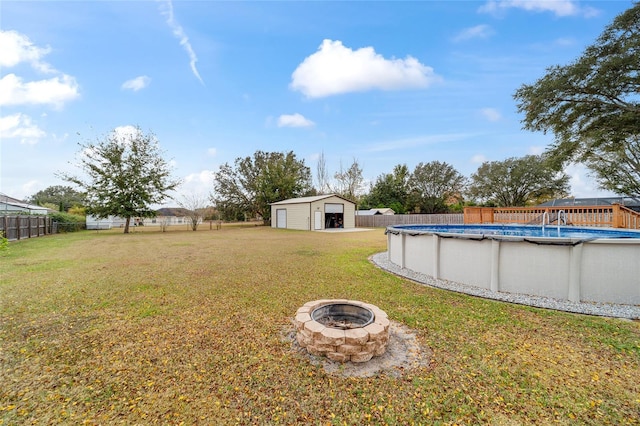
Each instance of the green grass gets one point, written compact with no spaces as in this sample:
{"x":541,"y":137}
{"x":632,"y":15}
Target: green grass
{"x":187,"y":327}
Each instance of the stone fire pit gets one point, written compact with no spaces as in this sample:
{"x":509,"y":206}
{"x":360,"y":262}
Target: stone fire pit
{"x":342,"y":330}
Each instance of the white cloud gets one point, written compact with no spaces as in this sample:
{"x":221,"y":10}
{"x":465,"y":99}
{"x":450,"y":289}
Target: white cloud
{"x":137,"y":83}
{"x":194,"y":183}
{"x":479,"y":31}
{"x":124,"y":134}
{"x":55,"y":91}
{"x":294,"y":120}
{"x":205,"y":176}
{"x":478,"y":159}
{"x":417,"y":141}
{"x":536,"y":149}
{"x":30,"y":187}
{"x":564,"y":42}
{"x":582,"y":185}
{"x":491,"y":114}
{"x":179,"y":33}
{"x":212,"y":152}
{"x":17,"y":48}
{"x":558,"y":7}
{"x":336,"y":69}
{"x":20,"y":126}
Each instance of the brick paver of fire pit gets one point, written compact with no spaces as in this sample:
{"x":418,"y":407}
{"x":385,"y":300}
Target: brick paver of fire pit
{"x":358,"y":344}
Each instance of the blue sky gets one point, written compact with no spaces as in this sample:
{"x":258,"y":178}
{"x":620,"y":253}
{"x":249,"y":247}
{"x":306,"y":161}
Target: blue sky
{"x":384,"y":83}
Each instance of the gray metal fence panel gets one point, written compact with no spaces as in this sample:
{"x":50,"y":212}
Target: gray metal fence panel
{"x":382,"y":221}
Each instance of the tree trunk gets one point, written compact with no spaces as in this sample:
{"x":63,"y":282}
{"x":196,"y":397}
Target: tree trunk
{"x":126,"y":225}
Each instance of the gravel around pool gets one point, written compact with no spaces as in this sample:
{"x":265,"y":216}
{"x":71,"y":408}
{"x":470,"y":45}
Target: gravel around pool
{"x":631,"y":312}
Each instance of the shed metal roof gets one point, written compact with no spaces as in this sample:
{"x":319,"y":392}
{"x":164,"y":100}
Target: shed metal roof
{"x":312,"y":199}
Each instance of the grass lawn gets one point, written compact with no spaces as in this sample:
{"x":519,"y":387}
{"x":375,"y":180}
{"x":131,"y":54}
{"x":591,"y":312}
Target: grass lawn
{"x":187,"y":327}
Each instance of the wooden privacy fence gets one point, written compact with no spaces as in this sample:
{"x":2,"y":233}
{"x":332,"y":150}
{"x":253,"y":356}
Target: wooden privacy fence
{"x":21,"y":226}
{"x":382,"y":221}
{"x":614,"y":216}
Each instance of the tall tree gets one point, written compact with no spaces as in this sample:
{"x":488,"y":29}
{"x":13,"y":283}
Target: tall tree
{"x":390,"y":190}
{"x":350,"y":181}
{"x":253,"y":183}
{"x":64,"y":197}
{"x":322,"y":175}
{"x":433,"y":184}
{"x":518,"y":182}
{"x":125,"y":175}
{"x":593,"y":108}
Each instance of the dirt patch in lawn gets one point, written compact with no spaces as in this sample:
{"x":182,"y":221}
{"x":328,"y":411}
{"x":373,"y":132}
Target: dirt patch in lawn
{"x":404,"y":353}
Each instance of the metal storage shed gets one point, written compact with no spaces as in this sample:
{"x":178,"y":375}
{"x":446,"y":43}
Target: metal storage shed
{"x":314,"y":213}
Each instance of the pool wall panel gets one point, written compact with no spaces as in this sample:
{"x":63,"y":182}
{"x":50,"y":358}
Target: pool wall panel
{"x":529,"y":269}
{"x":466,"y":261}
{"x":395,"y":250}
{"x":611,"y":272}
{"x":419,"y":255}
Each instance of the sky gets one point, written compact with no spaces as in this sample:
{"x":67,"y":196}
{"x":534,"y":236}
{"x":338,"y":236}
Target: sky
{"x":378,"y":82}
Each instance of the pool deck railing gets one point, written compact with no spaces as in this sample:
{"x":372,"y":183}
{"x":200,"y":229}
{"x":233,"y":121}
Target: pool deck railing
{"x":612,"y":216}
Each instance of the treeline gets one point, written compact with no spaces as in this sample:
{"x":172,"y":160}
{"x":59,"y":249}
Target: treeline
{"x":252,"y":183}
{"x":246,"y":188}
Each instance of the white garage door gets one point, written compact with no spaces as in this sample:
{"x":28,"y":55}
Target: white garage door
{"x":281,"y":218}
{"x":333,"y":208}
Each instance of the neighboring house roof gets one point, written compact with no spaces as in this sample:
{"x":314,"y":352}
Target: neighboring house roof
{"x":386,"y":210}
{"x":602,"y":201}
{"x":372,"y":212}
{"x":172,"y":211}
{"x":312,"y":199}
{"x":13,"y":204}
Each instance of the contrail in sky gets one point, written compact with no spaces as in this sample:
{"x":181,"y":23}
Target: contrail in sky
{"x":177,"y":30}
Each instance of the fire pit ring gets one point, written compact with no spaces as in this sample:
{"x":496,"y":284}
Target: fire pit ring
{"x":342,"y":330}
{"x":344,"y":316}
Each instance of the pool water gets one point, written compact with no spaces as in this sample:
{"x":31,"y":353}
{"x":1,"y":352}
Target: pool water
{"x":549,"y":231}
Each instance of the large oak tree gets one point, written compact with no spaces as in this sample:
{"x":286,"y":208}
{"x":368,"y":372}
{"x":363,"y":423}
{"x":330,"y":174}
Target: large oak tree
{"x":390,"y":190}
{"x":64,"y":197}
{"x":432,"y":185}
{"x":517,"y":182}
{"x":252,"y":183}
{"x":125,"y":175}
{"x":593,"y":108}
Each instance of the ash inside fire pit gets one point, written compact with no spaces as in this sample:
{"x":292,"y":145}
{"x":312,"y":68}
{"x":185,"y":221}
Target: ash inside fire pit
{"x":343,"y":316}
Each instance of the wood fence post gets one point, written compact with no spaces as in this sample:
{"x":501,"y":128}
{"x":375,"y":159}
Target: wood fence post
{"x":615,"y":220}
{"x":486,"y":215}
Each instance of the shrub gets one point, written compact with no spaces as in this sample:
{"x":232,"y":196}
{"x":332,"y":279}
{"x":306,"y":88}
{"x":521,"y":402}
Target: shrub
{"x":77,"y":210}
{"x":69,"y":222}
{"x":4,"y":243}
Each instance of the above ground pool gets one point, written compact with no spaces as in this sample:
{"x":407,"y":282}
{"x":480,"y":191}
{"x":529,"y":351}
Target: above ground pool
{"x":578,"y":264}
{"x":524,"y":231}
